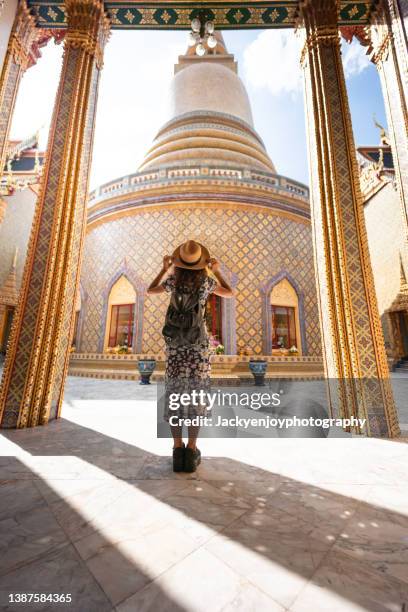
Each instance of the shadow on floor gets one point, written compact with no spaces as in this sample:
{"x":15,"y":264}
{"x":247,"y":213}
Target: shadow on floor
{"x":246,"y":530}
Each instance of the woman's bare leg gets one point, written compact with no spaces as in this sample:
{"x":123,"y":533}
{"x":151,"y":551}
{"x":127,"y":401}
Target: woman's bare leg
{"x":177,"y":433}
{"x":192,"y":437}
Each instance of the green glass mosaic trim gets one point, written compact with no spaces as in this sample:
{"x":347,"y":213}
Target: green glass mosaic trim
{"x":178,"y":15}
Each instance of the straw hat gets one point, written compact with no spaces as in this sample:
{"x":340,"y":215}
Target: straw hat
{"x":191,"y":255}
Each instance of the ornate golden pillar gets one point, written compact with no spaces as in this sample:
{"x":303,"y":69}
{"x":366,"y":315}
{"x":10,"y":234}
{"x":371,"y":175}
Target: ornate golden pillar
{"x":17,"y":60}
{"x":37,"y":357}
{"x":389,"y":53}
{"x":353,"y":345}
{"x":397,"y":22}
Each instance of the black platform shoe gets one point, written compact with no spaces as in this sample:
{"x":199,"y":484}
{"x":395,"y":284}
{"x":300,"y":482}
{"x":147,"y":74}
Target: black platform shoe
{"x":192,"y":459}
{"x":178,"y":458}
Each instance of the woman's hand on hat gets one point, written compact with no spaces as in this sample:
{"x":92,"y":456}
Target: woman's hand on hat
{"x":213,"y":264}
{"x":167,"y":262}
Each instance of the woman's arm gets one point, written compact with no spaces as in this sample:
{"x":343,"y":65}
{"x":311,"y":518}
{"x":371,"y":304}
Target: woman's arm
{"x":223,"y":289}
{"x":156,"y":286}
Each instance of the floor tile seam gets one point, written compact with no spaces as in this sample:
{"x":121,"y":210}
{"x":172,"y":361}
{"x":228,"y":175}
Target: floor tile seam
{"x":374,"y":573}
{"x":216,"y":489}
{"x":91,"y":574}
{"x":368,"y":567}
{"x":41,"y":503}
{"x":241,"y":575}
{"x":324,"y":556}
{"x":257,"y":586}
{"x":87,"y":523}
{"x":163,"y":499}
{"x":209,"y":481}
{"x":319,"y":565}
{"x":37,"y":557}
{"x":310,"y":521}
{"x":152,"y":580}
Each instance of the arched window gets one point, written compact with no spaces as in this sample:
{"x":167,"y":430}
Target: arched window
{"x":213,"y":316}
{"x":283,"y":327}
{"x":121,"y":314}
{"x":284,"y":313}
{"x":121,"y":325}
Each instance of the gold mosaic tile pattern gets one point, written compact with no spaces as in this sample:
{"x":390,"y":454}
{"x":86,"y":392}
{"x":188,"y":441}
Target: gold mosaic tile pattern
{"x":255,"y":246}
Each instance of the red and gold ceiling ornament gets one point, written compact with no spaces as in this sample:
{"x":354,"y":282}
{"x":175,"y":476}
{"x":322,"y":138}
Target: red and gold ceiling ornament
{"x":44,"y":36}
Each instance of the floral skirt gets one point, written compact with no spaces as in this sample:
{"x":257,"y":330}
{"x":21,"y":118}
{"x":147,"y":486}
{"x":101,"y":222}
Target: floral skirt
{"x":187,"y":369}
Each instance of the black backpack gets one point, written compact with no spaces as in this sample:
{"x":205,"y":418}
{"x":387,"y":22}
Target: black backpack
{"x":184,"y":324}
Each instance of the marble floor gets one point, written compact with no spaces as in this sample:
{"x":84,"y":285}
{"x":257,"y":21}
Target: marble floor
{"x":90,"y":507}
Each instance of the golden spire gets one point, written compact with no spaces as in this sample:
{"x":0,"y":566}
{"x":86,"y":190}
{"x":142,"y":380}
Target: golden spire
{"x":14,"y":265}
{"x":384,"y":138}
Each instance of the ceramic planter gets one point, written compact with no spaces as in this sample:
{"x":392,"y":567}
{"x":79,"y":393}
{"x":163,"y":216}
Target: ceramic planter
{"x":258,"y":370}
{"x":146,"y":369}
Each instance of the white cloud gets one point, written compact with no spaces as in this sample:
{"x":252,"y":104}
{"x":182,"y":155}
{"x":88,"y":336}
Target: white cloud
{"x":355,"y":59}
{"x":36,"y":96}
{"x":272,"y":61}
{"x":132,"y":98}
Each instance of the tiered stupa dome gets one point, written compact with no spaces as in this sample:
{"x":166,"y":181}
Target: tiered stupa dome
{"x":207,"y":176}
{"x":209,"y":117}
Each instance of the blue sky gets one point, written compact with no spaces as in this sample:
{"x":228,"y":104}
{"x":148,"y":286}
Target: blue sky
{"x":138,"y":69}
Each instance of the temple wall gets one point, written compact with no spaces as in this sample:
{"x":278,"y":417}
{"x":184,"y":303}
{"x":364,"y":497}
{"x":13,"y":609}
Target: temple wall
{"x":15,"y":231}
{"x":388,"y":249}
{"x":254,"y":247}
{"x":387,"y":242}
{"x":396,"y":118}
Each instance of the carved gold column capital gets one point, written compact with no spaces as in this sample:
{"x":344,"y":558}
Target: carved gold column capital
{"x":24,"y":34}
{"x":88,"y":27}
{"x":379,"y":35}
{"x":320,"y":12}
{"x":320,"y":19}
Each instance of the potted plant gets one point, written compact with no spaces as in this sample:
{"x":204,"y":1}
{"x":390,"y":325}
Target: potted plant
{"x":293,"y":351}
{"x":213,"y":344}
{"x":123,"y":349}
{"x":220,"y":349}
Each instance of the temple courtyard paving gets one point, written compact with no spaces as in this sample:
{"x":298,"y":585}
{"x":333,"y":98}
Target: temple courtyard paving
{"x":90,"y":507}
